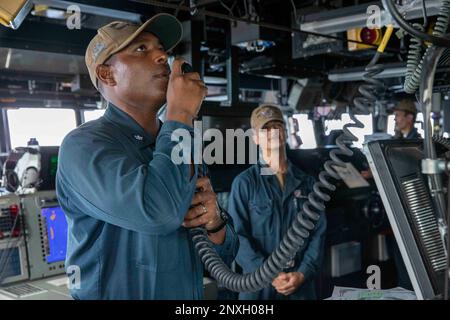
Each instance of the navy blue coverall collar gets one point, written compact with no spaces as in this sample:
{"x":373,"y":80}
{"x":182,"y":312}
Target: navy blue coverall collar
{"x":129,"y":126}
{"x":292,"y":180}
{"x":413,"y":134}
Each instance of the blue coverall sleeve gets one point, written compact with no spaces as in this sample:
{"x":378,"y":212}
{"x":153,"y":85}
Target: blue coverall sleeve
{"x":248,"y":257}
{"x":313,"y":255}
{"x":228,"y":249}
{"x":114,"y":187}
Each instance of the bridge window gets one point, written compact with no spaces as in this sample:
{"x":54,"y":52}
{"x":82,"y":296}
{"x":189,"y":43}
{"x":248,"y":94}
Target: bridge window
{"x":358,"y":132}
{"x":306,"y":131}
{"x":48,"y":126}
{"x":90,"y":115}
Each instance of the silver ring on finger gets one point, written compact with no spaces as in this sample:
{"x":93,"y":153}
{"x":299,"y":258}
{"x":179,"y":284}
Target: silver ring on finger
{"x":205,"y":210}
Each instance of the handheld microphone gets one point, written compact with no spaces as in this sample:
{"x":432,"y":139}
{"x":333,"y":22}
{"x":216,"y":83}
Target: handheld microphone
{"x":185,"y":68}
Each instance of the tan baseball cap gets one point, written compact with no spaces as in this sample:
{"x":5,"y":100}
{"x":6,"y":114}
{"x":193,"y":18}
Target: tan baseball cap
{"x":116,"y":35}
{"x":406,"y":105}
{"x":264,"y":114}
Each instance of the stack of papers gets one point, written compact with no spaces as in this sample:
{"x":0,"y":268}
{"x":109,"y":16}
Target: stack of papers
{"x":343,"y":293}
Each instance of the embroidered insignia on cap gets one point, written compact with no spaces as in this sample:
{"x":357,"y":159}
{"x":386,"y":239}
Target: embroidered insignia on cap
{"x":119,"y":25}
{"x":138,"y":137}
{"x":98,"y":48}
{"x":267,"y":113}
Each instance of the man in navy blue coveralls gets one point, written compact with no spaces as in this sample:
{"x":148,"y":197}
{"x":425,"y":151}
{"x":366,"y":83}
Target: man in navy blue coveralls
{"x":128,"y":206}
{"x":264,"y":205}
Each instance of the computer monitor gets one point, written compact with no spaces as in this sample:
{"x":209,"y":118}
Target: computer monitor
{"x":56,"y":226}
{"x":396,"y":168}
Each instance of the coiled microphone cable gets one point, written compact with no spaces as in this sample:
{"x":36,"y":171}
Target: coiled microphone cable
{"x":305,"y":221}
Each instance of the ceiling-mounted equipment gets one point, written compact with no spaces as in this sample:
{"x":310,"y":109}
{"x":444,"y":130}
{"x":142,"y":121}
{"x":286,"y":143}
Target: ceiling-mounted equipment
{"x":340,"y":20}
{"x":310,"y":45}
{"x":305,"y":94}
{"x":366,"y":35}
{"x":307,"y":45}
{"x":416,"y":59}
{"x":12,"y":13}
{"x":47,"y":12}
{"x":96,"y":10}
{"x":251,"y":37}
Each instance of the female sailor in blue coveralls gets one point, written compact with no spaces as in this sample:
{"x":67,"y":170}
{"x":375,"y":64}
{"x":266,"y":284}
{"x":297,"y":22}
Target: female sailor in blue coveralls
{"x":263,"y":206}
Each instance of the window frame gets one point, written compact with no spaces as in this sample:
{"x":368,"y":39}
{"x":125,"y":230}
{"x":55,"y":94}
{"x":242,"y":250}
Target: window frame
{"x":354,"y":145}
{"x":316,"y":140}
{"x":83,"y":112}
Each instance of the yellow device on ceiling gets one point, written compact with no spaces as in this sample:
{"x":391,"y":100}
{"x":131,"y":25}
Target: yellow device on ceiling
{"x":12,"y":13}
{"x":370,"y":36}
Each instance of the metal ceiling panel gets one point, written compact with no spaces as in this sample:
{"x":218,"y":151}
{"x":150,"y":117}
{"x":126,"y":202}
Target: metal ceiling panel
{"x":45,"y":62}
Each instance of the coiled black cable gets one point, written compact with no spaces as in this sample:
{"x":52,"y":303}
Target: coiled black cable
{"x":293,"y":241}
{"x":418,"y":37}
{"x":305,"y":220}
{"x":438,"y":38}
{"x":413,"y":64}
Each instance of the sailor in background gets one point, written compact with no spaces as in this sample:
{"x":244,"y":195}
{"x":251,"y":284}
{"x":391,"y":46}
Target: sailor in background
{"x":405,"y":117}
{"x":263,"y":207}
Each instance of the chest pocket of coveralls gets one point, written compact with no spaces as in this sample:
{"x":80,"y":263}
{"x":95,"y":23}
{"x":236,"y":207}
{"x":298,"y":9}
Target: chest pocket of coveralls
{"x":261,"y":217}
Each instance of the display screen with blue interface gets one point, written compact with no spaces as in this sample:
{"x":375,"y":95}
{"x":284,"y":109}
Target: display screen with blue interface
{"x":56,"y":224}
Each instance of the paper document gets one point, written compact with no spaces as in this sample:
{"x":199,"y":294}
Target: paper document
{"x":59,"y":282}
{"x":351,"y":176}
{"x":343,"y":293}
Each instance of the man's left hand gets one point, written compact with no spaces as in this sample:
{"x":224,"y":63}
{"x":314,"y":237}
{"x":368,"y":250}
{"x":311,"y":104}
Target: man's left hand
{"x":289,"y":282}
{"x":204,"y":210}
